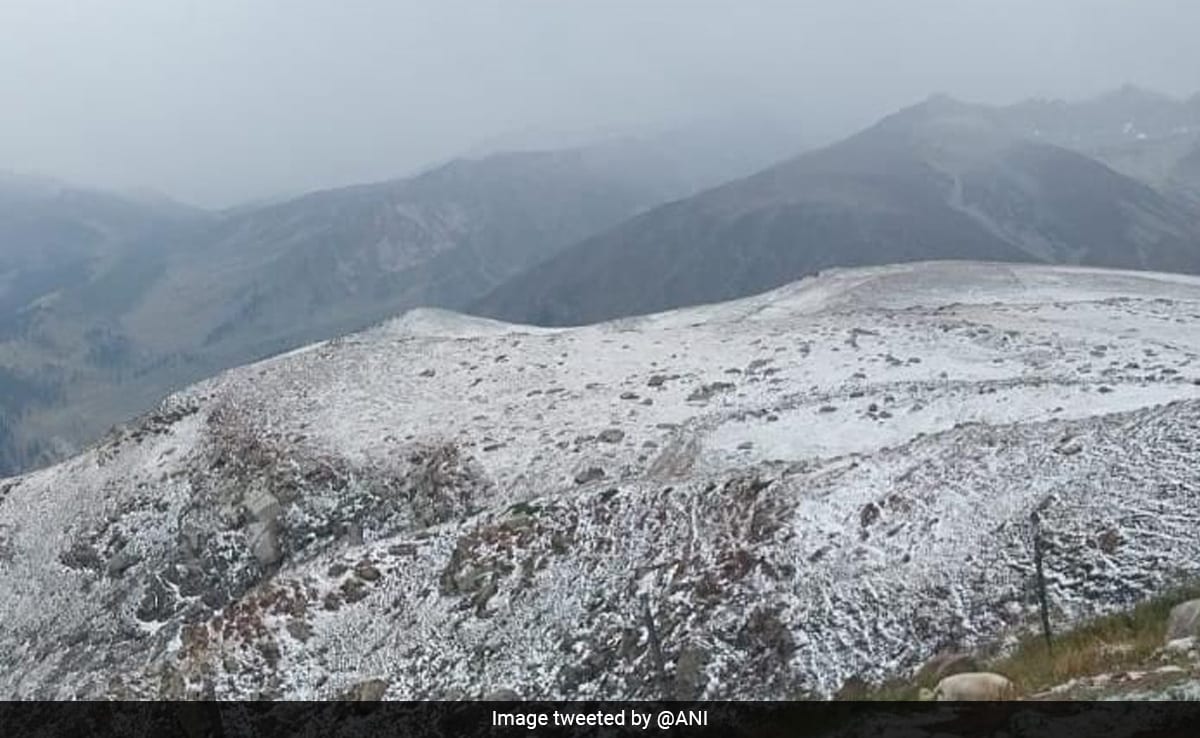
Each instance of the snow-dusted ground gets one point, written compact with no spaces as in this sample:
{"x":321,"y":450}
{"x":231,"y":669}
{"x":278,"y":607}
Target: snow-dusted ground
{"x":830,"y":480}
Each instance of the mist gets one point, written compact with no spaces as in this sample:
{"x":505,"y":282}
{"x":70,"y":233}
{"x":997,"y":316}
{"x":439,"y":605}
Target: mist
{"x":216,"y":102}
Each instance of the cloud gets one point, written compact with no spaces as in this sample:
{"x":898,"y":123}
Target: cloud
{"x":217,"y":101}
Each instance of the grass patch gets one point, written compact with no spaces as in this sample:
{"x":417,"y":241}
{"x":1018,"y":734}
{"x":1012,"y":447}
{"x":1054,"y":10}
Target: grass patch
{"x":1121,"y":641}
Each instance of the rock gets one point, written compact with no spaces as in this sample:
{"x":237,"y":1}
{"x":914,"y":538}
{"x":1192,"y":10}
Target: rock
{"x":611,"y":435}
{"x":1184,"y":621}
{"x":121,"y":562}
{"x":367,"y":571}
{"x":1069,"y":447}
{"x":706,"y":391}
{"x":354,"y":590}
{"x":591,"y":474}
{"x":1180,"y":646}
{"x":502,"y":695}
{"x":371,"y":690}
{"x":264,"y":543}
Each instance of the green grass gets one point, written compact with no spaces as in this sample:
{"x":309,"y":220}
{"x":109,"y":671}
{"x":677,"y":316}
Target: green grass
{"x":1120,"y":641}
{"x":1114,"y":642}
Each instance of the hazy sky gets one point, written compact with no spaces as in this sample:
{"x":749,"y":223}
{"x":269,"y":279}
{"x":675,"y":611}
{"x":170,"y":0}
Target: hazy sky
{"x":218,"y":101}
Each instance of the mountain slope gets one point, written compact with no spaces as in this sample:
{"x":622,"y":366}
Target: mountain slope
{"x":109,"y":340}
{"x":940,"y":180}
{"x":1148,"y":136}
{"x":59,"y":241}
{"x":827,"y":481}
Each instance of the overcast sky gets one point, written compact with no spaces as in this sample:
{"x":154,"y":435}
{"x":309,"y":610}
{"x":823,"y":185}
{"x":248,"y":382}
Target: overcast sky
{"x":220,"y":101}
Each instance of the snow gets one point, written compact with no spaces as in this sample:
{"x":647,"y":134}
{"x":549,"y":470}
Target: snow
{"x":827,"y":480}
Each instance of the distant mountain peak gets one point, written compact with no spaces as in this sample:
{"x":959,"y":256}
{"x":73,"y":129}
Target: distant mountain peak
{"x":1135,"y":94}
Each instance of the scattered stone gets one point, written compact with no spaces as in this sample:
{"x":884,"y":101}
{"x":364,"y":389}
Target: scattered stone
{"x":611,"y":435}
{"x":353,"y":590}
{"x":1069,"y":447}
{"x":367,"y":571}
{"x":590,"y":474}
{"x":707,"y":391}
{"x":121,"y":563}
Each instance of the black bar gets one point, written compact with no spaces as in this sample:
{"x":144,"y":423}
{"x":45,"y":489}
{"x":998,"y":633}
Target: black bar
{"x":498,"y":719}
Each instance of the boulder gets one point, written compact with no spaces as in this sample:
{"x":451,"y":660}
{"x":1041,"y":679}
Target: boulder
{"x":1184,"y":621}
{"x":1181,"y":646}
{"x":611,"y":435}
{"x":264,"y":543}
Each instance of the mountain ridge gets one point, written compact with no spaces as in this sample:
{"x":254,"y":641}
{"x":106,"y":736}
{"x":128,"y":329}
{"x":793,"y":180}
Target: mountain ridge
{"x":939,"y":179}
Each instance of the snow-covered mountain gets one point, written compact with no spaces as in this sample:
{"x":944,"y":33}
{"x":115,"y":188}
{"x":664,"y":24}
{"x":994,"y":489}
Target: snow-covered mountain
{"x":761,"y":498}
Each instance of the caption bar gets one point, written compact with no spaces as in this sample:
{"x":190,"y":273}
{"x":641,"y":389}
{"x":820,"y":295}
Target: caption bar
{"x":621,"y":718}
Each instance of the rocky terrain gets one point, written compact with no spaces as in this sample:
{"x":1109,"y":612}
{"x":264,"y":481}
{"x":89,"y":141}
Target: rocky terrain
{"x":761,"y":498}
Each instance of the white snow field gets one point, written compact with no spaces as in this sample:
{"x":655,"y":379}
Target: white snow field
{"x":827,"y":481}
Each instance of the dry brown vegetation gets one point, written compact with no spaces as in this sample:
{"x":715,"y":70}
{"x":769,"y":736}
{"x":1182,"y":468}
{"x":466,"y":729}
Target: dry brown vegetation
{"x":1121,"y":641}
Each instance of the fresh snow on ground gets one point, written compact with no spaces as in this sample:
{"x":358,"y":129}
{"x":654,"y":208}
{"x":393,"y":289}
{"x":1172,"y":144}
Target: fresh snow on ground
{"x":830,"y":480}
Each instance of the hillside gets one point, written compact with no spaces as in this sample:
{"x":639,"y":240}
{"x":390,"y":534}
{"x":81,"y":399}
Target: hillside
{"x":940,"y":180}
{"x":58,"y":240}
{"x":1148,"y":136}
{"x":827,"y":481}
{"x":100,"y":334}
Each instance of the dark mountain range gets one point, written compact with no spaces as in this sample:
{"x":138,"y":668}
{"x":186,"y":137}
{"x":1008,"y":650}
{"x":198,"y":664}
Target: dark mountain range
{"x":941,"y":180}
{"x":109,"y":303}
{"x":1146,"y":135}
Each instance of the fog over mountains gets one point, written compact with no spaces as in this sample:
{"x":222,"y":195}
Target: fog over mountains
{"x":942,"y":179}
{"x":108,"y":302}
